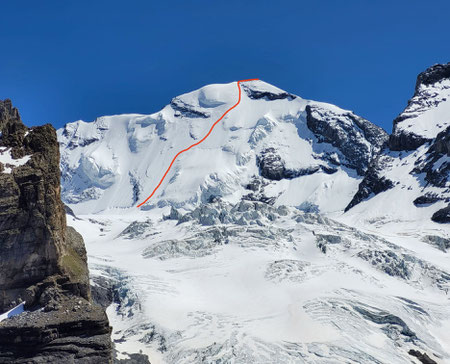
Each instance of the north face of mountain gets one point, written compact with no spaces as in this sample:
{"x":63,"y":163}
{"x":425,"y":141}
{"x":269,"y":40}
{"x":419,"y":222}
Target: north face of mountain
{"x":300,"y":152}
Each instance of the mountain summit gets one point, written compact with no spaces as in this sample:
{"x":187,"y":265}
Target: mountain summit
{"x":427,"y":112}
{"x":274,"y":146}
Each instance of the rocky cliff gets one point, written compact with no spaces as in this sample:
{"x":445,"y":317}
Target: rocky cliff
{"x":415,"y":164}
{"x":357,"y":138}
{"x":42,"y":261}
{"x":426,"y":111}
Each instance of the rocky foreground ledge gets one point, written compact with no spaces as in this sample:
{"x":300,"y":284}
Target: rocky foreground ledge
{"x":77,"y":332}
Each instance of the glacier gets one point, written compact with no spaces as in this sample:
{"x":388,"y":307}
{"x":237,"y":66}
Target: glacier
{"x":298,"y":232}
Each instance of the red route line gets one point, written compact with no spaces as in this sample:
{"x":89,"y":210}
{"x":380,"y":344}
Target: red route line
{"x":200,"y":141}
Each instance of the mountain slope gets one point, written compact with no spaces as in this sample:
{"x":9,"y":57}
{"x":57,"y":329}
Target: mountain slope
{"x":245,"y":254}
{"x":278,"y":141}
{"x":410,"y":179}
{"x":427,"y":112}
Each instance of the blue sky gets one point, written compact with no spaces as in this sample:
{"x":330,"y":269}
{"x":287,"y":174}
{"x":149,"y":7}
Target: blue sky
{"x":62,"y":61}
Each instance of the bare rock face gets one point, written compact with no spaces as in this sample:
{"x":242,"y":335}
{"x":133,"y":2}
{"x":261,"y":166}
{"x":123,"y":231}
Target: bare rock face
{"x":435,"y":165}
{"x":358,"y":139}
{"x":272,"y":167}
{"x":430,"y":91}
{"x":75,"y":333}
{"x":442,"y":216}
{"x":433,"y":74}
{"x":35,"y":243}
{"x":42,"y":261}
{"x":373,"y":182}
{"x":271,"y":96}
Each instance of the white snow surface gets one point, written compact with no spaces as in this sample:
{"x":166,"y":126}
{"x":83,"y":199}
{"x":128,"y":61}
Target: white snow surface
{"x":262,"y":290}
{"x":393,"y":210}
{"x":13,"y":312}
{"x":236,"y":281}
{"x":429,"y":113}
{"x":117,"y":161}
{"x":9,"y":162}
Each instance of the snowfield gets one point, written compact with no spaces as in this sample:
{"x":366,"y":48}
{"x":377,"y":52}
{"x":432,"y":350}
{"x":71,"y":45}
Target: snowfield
{"x":293,"y":287}
{"x":245,"y":253}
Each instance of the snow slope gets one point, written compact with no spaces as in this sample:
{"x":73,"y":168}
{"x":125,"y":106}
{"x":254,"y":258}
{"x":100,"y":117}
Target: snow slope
{"x":428,"y":111}
{"x":117,"y":161}
{"x":409,"y":181}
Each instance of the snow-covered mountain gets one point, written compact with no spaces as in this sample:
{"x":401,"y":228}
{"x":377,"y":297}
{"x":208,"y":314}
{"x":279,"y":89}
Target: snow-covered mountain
{"x":297,"y":232}
{"x":273,"y":146}
{"x":427,"y":113}
{"x":409,"y":180}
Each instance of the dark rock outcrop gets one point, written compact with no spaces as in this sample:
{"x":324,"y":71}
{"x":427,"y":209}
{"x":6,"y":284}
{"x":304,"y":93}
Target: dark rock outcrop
{"x":189,"y":111}
{"x":442,"y":216}
{"x":75,"y":333}
{"x":406,"y":141}
{"x":372,"y":184}
{"x":427,"y":199}
{"x":11,"y":128}
{"x":270,"y":164}
{"x":271,"y":96}
{"x":32,"y":219}
{"x":436,"y":175}
{"x":357,"y":139}
{"x":423,"y":357}
{"x":42,"y":261}
{"x":422,"y":100}
{"x":441,"y":144}
{"x":433,"y":74}
{"x":272,"y":167}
